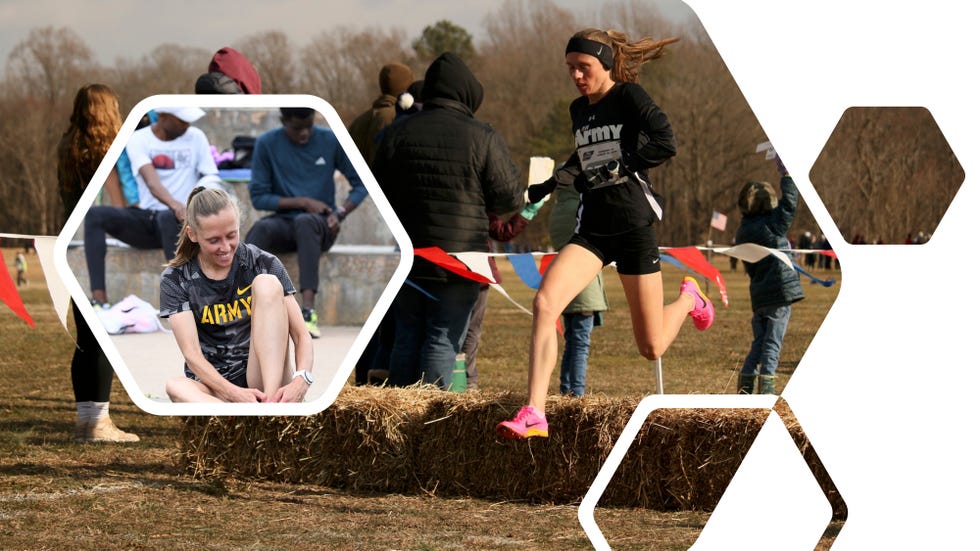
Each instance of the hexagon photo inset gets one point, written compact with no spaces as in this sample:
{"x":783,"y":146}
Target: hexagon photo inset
{"x":887,"y":175}
{"x":118,"y":262}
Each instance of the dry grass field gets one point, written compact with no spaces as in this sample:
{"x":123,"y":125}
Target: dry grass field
{"x":57,"y":495}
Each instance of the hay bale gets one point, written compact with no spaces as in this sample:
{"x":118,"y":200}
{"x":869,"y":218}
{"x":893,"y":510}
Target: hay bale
{"x":460,"y":455}
{"x":812,"y":459}
{"x":683,"y":459}
{"x":423,"y":440}
{"x":360,"y":443}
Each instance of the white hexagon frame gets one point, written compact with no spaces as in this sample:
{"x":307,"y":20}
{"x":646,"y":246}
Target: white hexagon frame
{"x":799,"y":486}
{"x":269,"y":101}
{"x":855,"y":392}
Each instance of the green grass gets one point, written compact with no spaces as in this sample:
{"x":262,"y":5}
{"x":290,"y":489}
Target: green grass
{"x":697,"y":363}
{"x":58,"y":495}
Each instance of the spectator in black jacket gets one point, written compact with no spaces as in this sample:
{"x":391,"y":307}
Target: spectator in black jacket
{"x":443,"y":171}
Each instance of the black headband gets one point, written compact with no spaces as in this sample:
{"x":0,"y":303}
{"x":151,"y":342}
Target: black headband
{"x":595,"y":49}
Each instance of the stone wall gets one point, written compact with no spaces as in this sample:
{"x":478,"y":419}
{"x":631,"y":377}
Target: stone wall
{"x":351,"y":278}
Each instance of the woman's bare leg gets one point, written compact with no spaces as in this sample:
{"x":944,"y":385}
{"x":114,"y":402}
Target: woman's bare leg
{"x":270,"y":335}
{"x":655,"y":325}
{"x":568,"y":274}
{"x":183,"y":389}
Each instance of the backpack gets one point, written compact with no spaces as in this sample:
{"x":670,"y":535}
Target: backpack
{"x":242,"y":148}
{"x":131,"y":315}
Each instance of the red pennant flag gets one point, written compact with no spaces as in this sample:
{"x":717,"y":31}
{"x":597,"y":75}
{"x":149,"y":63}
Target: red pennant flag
{"x":543,"y":267}
{"x":9,"y":295}
{"x":546,"y":261}
{"x":445,"y":261}
{"x":692,"y":258}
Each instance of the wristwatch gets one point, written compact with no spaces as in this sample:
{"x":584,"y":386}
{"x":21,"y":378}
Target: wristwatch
{"x":341,"y":212}
{"x":306,"y":375}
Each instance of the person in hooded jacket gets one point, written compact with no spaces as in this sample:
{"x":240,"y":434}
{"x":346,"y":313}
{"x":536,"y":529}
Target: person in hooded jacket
{"x":393,"y":79}
{"x":442,"y":170}
{"x":773,"y":286}
{"x":229,"y":72}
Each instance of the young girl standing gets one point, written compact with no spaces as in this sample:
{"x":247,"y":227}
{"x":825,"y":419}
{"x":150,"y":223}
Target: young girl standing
{"x":619,"y":134}
{"x":232,"y":311}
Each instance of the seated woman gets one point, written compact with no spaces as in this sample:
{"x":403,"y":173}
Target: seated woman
{"x":232,"y":311}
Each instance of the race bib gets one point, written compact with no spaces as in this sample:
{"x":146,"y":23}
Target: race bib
{"x":599,"y":154}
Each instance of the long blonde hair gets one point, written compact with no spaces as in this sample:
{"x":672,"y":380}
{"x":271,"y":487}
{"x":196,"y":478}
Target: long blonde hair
{"x":203,"y":201}
{"x":627,"y":56}
{"x":94,"y":123}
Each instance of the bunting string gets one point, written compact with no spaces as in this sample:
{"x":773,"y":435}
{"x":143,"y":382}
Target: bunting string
{"x":529,"y":268}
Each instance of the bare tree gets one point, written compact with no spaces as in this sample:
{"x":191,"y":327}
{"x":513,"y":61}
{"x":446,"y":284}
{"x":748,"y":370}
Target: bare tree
{"x":42,"y":74}
{"x":272,"y":55}
{"x":522,"y":67}
{"x":342,"y":66}
{"x":527,"y":92}
{"x":167,"y":69}
{"x":50,"y":64}
{"x":886,"y":172}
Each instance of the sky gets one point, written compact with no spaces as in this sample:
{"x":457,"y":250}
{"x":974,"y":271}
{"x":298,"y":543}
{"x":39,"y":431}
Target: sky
{"x":129,"y":29}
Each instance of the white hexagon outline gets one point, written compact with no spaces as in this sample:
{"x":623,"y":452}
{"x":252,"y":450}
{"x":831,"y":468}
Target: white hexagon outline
{"x":270,"y":101}
{"x":827,"y":80}
{"x":586,"y":509}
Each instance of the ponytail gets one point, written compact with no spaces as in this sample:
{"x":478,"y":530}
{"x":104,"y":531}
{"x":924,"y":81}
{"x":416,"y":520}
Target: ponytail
{"x":202,"y":201}
{"x":627,"y":56}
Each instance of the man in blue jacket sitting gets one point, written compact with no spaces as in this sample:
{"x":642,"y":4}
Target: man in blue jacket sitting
{"x":293,"y":175}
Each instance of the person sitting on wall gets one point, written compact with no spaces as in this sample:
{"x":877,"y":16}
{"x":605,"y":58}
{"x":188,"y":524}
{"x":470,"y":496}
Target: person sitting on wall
{"x":168,"y":159}
{"x":293,"y":175}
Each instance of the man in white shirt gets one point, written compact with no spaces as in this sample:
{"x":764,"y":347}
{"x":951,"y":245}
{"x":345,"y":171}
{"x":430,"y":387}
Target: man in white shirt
{"x":168,"y":158}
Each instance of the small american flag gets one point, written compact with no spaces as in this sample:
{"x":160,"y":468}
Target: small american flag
{"x":718,"y":220}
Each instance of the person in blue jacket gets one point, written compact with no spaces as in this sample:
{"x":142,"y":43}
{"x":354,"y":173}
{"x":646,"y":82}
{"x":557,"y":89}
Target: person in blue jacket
{"x":293,"y":175}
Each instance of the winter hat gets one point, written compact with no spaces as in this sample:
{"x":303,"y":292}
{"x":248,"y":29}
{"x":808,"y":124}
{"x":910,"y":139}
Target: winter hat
{"x":756,"y":198}
{"x":395,"y":78}
{"x":410,"y":100}
{"x":236,"y":66}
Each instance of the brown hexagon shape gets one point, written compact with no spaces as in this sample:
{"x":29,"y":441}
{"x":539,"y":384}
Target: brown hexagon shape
{"x":887,"y":175}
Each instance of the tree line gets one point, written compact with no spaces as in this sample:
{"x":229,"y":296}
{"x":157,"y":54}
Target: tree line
{"x":520,"y":62}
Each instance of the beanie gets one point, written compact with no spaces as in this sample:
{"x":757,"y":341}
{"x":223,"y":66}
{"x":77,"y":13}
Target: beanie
{"x":395,"y":78}
{"x":237,"y":67}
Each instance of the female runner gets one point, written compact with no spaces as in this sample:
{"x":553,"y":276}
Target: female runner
{"x":619,"y":134}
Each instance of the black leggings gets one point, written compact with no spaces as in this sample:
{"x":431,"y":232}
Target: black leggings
{"x":305,"y":233}
{"x":91,"y":372}
{"x":139,"y":228}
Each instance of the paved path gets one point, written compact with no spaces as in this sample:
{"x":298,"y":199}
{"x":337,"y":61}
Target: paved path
{"x":153,"y":358}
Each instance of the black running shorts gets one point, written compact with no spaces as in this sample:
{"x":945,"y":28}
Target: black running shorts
{"x":635,"y":252}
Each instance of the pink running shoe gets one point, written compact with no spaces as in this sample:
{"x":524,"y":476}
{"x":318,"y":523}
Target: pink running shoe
{"x":703,"y":313}
{"x":527,"y":423}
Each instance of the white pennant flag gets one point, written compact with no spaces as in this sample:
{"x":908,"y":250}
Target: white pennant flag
{"x":56,"y":288}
